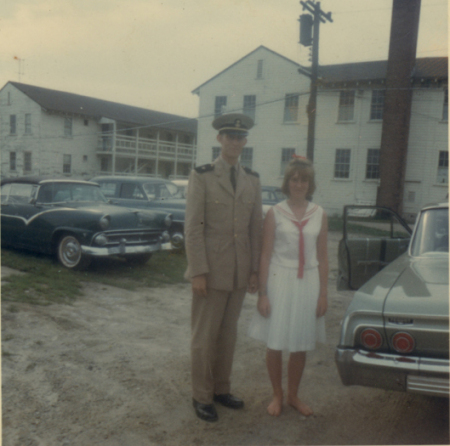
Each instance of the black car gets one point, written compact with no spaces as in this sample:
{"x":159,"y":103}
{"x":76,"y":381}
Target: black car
{"x":148,"y":193}
{"x":73,"y":220}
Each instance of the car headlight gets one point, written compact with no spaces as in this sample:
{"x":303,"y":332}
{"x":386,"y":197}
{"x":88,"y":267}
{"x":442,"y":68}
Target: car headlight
{"x":101,"y":240}
{"x":104,"y":222}
{"x":168,"y":220}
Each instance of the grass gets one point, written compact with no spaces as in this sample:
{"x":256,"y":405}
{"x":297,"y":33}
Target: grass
{"x":45,"y":281}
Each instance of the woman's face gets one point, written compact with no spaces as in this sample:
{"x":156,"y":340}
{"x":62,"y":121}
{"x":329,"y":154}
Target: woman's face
{"x":298,"y":186}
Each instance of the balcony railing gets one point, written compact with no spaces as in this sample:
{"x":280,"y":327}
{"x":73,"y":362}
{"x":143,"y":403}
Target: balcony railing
{"x":146,"y":148}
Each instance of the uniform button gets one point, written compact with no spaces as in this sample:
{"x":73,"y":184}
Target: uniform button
{"x":235,"y":219}
{"x":235,"y":235}
{"x":217,"y":201}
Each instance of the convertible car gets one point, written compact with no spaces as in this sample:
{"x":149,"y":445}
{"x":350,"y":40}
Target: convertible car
{"x":148,"y":193}
{"x":395,"y":333}
{"x":73,"y":220}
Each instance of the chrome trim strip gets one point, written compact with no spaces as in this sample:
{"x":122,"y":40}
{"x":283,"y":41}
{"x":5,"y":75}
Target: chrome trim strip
{"x":119,"y":250}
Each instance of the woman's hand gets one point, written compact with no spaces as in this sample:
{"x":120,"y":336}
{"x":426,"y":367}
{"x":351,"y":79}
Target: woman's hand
{"x":263,"y":305}
{"x":322,"y":306}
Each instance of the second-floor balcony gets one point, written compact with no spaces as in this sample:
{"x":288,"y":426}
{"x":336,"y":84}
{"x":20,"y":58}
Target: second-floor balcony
{"x":129,"y":146}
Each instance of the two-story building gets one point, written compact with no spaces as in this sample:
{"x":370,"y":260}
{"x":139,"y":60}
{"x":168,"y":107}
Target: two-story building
{"x":274,"y":90}
{"x":45,"y":131}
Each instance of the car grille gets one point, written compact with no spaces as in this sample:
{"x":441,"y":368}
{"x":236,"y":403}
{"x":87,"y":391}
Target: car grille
{"x":133,"y":237}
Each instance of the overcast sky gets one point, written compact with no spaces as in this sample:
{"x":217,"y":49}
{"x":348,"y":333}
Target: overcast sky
{"x":153,"y":53}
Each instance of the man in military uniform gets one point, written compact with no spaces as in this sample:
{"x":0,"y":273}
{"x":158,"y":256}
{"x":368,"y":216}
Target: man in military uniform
{"x":223,"y":237}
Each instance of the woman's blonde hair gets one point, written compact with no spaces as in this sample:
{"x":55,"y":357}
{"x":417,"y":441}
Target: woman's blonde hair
{"x":305,"y":169}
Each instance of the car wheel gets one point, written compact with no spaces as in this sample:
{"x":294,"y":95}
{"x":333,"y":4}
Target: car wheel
{"x":138,"y":259}
{"x":69,"y":253}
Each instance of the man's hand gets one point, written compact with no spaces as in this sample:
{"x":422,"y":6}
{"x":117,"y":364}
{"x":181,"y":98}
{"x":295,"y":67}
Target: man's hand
{"x":252,"y":287}
{"x":199,"y":285}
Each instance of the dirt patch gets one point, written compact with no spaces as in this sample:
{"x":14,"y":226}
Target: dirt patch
{"x":114,"y":369}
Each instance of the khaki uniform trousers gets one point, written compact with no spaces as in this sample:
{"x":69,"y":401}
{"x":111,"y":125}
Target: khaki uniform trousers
{"x":214,"y":330}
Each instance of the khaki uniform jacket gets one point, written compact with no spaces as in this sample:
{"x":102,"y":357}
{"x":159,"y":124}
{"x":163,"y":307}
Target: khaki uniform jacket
{"x":223,"y":228}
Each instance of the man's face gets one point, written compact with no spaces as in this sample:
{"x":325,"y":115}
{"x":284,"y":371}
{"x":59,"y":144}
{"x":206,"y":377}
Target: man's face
{"x":232,"y":146}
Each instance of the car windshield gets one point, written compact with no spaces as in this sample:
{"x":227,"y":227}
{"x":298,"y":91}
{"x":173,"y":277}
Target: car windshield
{"x":160,"y":190}
{"x":66,"y":191}
{"x":432,"y":232}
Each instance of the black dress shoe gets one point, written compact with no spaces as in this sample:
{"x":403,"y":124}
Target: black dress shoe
{"x":206,"y":412}
{"x":228,"y":400}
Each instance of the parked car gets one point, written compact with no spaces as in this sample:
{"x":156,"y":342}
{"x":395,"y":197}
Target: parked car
{"x":73,"y":220}
{"x":395,"y":333}
{"x":270,"y":195}
{"x":147,"y":193}
{"x":182,"y":187}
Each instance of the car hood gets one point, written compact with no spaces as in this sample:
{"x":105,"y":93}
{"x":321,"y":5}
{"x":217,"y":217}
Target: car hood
{"x":121,"y":217}
{"x":170,"y":203}
{"x":421,"y":288}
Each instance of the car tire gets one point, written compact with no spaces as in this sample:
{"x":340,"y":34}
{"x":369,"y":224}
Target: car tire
{"x":138,"y":259}
{"x":69,"y":253}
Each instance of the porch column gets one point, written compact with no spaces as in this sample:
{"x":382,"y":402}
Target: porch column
{"x":157,"y":154}
{"x":114,"y":148}
{"x":176,"y":155}
{"x":137,"y":153}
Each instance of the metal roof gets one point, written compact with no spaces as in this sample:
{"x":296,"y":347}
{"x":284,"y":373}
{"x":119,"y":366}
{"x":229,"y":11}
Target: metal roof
{"x":61,"y":101}
{"x":32,"y":179}
{"x":425,"y":68}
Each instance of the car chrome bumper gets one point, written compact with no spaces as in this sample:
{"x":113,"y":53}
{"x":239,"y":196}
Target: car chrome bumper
{"x":428,"y":376}
{"x":122,"y":249}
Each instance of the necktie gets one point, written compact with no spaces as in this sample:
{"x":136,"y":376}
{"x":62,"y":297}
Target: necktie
{"x":301,"y":248}
{"x":233,"y":177}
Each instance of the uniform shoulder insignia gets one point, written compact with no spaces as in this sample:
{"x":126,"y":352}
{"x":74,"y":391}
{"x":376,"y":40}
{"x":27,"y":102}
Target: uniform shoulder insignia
{"x":251,"y":172}
{"x":205,"y":168}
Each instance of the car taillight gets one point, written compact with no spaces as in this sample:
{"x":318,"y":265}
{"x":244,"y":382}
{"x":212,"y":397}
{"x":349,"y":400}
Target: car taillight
{"x":403,"y":342}
{"x":371,"y":339}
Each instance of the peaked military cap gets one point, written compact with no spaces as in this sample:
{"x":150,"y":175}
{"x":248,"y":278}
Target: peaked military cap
{"x":233,"y":123}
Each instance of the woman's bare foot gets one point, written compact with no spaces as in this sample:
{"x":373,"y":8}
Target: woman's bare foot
{"x":274,"y":408}
{"x":301,"y":407}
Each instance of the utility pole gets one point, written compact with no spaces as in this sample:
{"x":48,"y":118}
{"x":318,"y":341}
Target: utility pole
{"x":397,"y":103}
{"x":306,"y":23}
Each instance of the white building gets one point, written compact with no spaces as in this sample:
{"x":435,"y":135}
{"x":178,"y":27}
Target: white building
{"x":275,"y":91}
{"x":49,"y":132}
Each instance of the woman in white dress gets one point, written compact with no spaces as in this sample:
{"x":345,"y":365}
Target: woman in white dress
{"x":293,"y":278}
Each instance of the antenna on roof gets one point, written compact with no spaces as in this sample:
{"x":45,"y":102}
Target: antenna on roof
{"x":20,"y":71}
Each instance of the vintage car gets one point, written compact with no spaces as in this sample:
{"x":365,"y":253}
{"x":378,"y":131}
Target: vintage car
{"x":270,"y":195}
{"x":73,"y":220}
{"x":147,"y":193}
{"x":395,"y":333}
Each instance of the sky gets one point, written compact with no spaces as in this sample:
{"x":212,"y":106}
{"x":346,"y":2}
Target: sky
{"x":153,"y":53}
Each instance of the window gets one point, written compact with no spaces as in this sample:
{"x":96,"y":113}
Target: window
{"x":346,"y":105}
{"x":27,"y":123}
{"x":250,"y":106}
{"x":342,"y":163}
{"x":445,"y":108}
{"x":27,"y":165}
{"x":85,"y":158}
{"x":67,"y":163}
{"x":290,"y":107}
{"x":442,"y":177}
{"x":131,"y":191}
{"x":373,"y":164}
{"x":12,"y":160}
{"x":109,"y":189}
{"x":68,"y":127}
{"x":215,"y":152}
{"x":247,"y":157}
{"x":220,"y":105}
{"x":12,"y":124}
{"x":9,"y":98}
{"x":377,"y":104}
{"x":104,"y":164}
{"x":259,"y":69}
{"x":286,"y":156}
{"x":86,"y":122}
